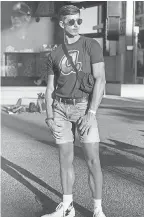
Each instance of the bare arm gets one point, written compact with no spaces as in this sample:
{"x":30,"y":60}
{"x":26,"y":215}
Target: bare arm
{"x":99,"y":85}
{"x":48,"y":96}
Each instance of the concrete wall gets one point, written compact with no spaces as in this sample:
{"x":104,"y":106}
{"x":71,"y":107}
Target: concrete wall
{"x":114,"y":67}
{"x":132,"y":90}
{"x":110,"y":68}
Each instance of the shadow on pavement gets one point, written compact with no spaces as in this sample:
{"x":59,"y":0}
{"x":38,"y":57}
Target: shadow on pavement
{"x":116,"y":158}
{"x":47,"y":203}
{"x":126,"y":147}
{"x":129,"y":114}
{"x":109,"y":159}
{"x":17,"y":173}
{"x":142,"y":131}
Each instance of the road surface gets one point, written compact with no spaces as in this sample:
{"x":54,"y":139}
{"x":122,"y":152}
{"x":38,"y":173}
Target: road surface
{"x":30,"y":166}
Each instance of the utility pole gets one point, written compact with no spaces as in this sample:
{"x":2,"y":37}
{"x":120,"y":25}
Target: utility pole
{"x":128,"y":74}
{"x":136,"y":32}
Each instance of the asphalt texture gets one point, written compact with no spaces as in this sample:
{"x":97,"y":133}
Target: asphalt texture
{"x":30,"y":181}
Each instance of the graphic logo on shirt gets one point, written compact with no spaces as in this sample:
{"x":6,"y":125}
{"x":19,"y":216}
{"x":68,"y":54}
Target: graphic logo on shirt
{"x":65,"y":65}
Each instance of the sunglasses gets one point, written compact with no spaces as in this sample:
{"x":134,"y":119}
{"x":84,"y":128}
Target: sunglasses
{"x":72,"y":22}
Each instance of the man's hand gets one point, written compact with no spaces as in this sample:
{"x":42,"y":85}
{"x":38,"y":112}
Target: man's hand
{"x":55,"y":129}
{"x":84,"y":123}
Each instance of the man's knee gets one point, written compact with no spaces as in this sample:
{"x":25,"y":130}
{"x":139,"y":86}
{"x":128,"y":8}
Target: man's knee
{"x":92,"y":162}
{"x":94,"y":166}
{"x":66,"y":155}
{"x":91,"y":151}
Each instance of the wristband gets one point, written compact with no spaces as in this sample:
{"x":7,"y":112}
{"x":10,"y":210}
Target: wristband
{"x":92,"y":111}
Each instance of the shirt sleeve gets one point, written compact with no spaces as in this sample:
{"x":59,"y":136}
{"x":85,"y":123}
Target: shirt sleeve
{"x":96,"y":53}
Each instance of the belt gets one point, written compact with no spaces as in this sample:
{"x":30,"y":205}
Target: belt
{"x":71,"y":101}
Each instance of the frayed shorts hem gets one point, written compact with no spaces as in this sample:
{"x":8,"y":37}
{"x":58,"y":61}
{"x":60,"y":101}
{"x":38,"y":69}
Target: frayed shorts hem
{"x":72,"y":141}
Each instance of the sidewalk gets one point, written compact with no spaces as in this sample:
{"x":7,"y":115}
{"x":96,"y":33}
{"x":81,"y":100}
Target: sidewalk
{"x":115,"y":101}
{"x":121,"y":121}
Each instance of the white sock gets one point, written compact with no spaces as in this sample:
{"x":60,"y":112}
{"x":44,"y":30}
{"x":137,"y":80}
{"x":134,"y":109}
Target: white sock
{"x":97,"y":204}
{"x":67,"y":199}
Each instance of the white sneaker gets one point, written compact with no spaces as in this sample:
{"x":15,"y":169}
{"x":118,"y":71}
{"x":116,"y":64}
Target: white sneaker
{"x":99,"y":214}
{"x":70,"y":212}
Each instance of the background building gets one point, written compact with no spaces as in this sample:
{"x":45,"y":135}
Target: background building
{"x":112,"y":24}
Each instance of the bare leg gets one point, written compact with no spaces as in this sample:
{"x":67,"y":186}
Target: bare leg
{"x":91,"y":151}
{"x":66,"y":155}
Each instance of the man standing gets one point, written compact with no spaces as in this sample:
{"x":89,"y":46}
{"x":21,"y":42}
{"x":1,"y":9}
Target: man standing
{"x":67,"y":104}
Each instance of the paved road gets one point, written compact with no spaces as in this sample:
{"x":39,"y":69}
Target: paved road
{"x":30,"y":165}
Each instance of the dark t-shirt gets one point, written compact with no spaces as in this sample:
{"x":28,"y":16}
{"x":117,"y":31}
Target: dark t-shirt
{"x":84,"y":52}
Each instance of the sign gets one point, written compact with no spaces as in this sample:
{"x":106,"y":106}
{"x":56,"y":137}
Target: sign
{"x":129,"y":47}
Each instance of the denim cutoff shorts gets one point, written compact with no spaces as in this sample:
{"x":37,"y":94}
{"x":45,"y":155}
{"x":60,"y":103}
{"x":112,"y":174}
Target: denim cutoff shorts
{"x":65,"y":115}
